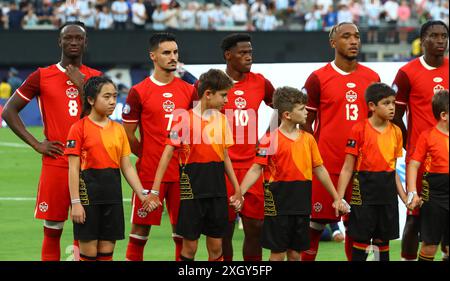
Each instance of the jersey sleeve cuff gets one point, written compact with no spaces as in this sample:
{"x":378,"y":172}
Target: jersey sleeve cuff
{"x":129,"y":120}
{"x":22,"y":95}
{"x":311,"y":108}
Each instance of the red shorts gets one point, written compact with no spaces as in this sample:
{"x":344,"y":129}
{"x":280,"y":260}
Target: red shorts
{"x":321,"y":203}
{"x":254,"y":198}
{"x":53,"y":198}
{"x":416,"y":211}
{"x":170,"y":192}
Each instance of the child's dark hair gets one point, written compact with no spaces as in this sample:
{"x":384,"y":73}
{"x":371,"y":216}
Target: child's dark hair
{"x":428,"y":24}
{"x":213,"y":80}
{"x":285,"y":98}
{"x":378,"y":91}
{"x":159,"y":38}
{"x":440,"y":103}
{"x":92,"y":88}
{"x":231,"y":40}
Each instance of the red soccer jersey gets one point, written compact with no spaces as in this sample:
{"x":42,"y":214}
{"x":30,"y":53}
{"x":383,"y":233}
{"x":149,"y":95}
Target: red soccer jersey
{"x":416,"y":83}
{"x":338,"y":99}
{"x":153,"y":106}
{"x":241,"y":110}
{"x":59,"y":102}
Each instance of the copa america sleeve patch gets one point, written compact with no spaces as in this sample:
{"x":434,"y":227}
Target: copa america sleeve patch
{"x":173,"y":135}
{"x":261,"y":152}
{"x":126,"y":109}
{"x":71,"y":143}
{"x":351,"y":143}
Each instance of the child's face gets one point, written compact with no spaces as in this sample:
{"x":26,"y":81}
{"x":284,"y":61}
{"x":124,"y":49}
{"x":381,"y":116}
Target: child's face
{"x":385,"y":108}
{"x":217,"y":100}
{"x":298,"y":114}
{"x":106,"y":100}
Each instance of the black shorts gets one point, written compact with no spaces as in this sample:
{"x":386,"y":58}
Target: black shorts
{"x":374,"y":222}
{"x":434,"y":224}
{"x":208,"y":216}
{"x":281,"y":233}
{"x":103,"y":222}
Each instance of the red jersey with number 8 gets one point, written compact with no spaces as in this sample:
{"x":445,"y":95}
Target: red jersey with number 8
{"x":59,"y":102}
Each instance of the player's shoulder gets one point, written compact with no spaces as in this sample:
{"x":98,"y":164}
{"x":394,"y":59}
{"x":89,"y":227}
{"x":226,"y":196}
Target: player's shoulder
{"x":90,"y":71}
{"x":411,"y":65}
{"x":181,"y":83}
{"x":326,"y":69}
{"x":396,"y":128}
{"x":367,"y":71}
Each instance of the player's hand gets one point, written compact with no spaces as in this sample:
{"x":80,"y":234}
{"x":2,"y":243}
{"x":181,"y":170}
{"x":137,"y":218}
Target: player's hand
{"x":50,"y":148}
{"x":237,"y":201}
{"x":153,"y":202}
{"x":75,"y":76}
{"x":145,"y":202}
{"x":78,"y":215}
{"x":415,"y":202}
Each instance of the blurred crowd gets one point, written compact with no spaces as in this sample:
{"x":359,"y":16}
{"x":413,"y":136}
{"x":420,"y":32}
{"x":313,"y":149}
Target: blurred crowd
{"x":308,"y":15}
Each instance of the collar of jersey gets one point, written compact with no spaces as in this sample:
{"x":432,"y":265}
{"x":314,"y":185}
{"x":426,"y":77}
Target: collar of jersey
{"x":338,"y":70}
{"x":158,"y":83}
{"x":425,"y":64}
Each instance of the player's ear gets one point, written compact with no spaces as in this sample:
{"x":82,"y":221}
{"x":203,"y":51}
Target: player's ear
{"x":227,"y":54}
{"x":332,"y":43}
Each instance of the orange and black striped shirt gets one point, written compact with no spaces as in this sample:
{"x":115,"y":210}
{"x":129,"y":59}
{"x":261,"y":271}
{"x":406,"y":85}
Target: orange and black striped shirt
{"x":377,"y":154}
{"x":202,"y":142}
{"x":289,"y":168}
{"x":100,"y":150}
{"x":432,"y":150}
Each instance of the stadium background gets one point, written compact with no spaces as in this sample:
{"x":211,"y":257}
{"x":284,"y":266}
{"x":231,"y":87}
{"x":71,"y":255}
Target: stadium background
{"x":286,"y":56}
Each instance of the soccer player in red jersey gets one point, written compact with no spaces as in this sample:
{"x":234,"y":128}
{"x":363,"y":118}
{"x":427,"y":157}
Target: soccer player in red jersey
{"x":58,"y":89}
{"x":416,"y":83}
{"x":244,"y":99}
{"x":150,"y":106}
{"x":335,"y":103}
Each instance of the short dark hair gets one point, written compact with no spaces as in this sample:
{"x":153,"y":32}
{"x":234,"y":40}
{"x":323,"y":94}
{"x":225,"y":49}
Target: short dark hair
{"x":428,"y":24}
{"x":231,"y":40}
{"x":439,"y":103}
{"x":285,"y":98}
{"x":159,"y":38}
{"x":378,"y":91}
{"x":213,"y":80}
{"x":92,"y":88}
{"x":79,"y":23}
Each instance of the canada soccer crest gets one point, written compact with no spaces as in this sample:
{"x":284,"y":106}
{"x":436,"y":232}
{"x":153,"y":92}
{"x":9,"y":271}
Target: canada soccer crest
{"x":168,"y":106}
{"x":351,"y":96}
{"x":142,"y":213}
{"x":72,"y":92}
{"x":317,"y":207}
{"x":43,"y":207}
{"x":240,"y":103}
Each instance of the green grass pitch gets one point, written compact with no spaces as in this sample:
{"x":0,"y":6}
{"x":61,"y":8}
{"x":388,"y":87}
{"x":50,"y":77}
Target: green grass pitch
{"x":21,"y":234}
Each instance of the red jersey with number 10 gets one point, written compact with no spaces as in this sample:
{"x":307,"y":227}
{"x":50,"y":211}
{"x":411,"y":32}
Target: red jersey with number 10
{"x":338,"y":99}
{"x":59,"y":102}
{"x":154,"y":106}
{"x":241,"y":110}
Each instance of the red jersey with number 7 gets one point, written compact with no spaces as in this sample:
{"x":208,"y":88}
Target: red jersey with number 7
{"x":153,"y":106}
{"x":59,"y":102}
{"x":338,"y":99}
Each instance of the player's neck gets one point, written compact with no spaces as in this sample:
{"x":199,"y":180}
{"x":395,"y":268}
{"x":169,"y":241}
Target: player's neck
{"x":99,"y":119}
{"x":289,"y":129}
{"x":434,"y":61}
{"x":442,"y":127}
{"x":64,"y":62}
{"x":163,"y":76}
{"x":234,"y":74}
{"x":345,"y":64}
{"x":378,"y":123}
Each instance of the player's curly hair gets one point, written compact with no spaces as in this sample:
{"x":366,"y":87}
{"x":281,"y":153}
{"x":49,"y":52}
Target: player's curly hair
{"x":213,"y":80}
{"x":336,"y":27}
{"x":285,"y":98}
{"x":428,"y":25}
{"x":91,"y":89}
{"x":439,"y":103}
{"x":231,"y":40}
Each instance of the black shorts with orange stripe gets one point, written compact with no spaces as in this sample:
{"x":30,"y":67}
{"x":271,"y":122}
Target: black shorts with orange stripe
{"x":368,"y":222}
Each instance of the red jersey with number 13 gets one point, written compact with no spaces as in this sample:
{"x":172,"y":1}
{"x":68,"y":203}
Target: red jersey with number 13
{"x":59,"y":102}
{"x":338,"y":99}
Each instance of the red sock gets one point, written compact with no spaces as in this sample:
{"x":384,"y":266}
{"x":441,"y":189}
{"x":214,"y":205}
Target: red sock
{"x":348,"y":246}
{"x":314,"y":236}
{"x":178,"y":246}
{"x":51,"y":250}
{"x":252,"y":258}
{"x":228,"y":258}
{"x":135,"y":249}
{"x":76,"y":250}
